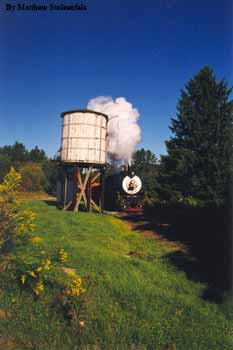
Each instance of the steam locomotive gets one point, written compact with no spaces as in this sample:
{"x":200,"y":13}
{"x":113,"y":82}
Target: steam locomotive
{"x":131,"y":185}
{"x":123,"y":191}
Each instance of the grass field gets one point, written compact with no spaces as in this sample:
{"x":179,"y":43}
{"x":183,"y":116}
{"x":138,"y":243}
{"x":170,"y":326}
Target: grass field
{"x":138,"y":301}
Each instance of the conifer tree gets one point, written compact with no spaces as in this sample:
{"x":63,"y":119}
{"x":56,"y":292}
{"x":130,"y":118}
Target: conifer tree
{"x":199,"y":159}
{"x":145,"y":165}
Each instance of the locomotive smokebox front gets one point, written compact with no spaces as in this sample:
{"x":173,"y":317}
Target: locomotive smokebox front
{"x":131,"y":184}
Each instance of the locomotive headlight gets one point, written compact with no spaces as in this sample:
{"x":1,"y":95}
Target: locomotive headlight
{"x":131,"y":185}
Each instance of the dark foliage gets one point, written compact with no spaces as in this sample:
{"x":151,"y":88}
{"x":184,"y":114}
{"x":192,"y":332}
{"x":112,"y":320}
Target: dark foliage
{"x":37,"y":155}
{"x":113,"y":190}
{"x":39,"y":173}
{"x":199,"y":159}
{"x":145,"y":165}
{"x":12,"y":156}
{"x":33,"y":177}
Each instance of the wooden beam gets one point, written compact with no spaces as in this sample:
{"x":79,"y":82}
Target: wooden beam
{"x":80,"y":194}
{"x":95,"y":205}
{"x":96,"y":177}
{"x":67,"y":205}
{"x":102,"y":180}
{"x":80,"y":185}
{"x":79,"y":176}
{"x":89,"y":196}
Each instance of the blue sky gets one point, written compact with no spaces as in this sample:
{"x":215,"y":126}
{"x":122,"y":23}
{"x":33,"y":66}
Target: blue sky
{"x":143,"y":50}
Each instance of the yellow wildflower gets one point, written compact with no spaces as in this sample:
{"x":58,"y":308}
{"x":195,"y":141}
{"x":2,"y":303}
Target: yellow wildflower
{"x":70,"y":272}
{"x":21,"y":229}
{"x":63,"y":255}
{"x":22,"y":279}
{"x":75,"y":291}
{"x":38,"y":269}
{"x":39,"y":288}
{"x":82,"y":290}
{"x":77,"y":281}
{"x":31,"y":227}
{"x":32,"y":273}
{"x":47,"y":264}
{"x":75,"y":288}
{"x":36,"y":239}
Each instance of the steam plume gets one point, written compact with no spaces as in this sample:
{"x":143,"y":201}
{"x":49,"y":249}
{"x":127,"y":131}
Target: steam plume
{"x":123,"y":131}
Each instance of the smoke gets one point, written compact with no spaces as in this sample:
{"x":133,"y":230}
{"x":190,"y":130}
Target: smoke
{"x":123,"y":131}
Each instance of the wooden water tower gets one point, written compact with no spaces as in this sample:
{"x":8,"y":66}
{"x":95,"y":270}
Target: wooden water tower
{"x":83,"y":157}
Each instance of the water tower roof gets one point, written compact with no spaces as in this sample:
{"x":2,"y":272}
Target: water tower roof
{"x":84,"y":111}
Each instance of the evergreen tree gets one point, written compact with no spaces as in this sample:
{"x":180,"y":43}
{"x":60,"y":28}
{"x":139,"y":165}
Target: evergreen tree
{"x":37,"y":155}
{"x":18,"y":152}
{"x":29,"y":163}
{"x":11,"y":156}
{"x":199,"y":159}
{"x":145,"y":165}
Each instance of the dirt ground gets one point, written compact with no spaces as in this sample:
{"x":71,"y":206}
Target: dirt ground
{"x":137,"y":222}
{"x":40,"y":196}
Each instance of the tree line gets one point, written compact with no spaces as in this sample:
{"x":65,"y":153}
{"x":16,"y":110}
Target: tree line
{"x":197,"y":169}
{"x":38,"y":171}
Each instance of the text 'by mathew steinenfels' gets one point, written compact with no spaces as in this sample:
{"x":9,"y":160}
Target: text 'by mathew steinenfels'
{"x":48,"y":7}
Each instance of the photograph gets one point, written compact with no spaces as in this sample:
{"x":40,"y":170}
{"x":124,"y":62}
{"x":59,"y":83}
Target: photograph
{"x":116,"y":175}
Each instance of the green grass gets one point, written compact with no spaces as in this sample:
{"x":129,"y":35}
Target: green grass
{"x":137,"y":301}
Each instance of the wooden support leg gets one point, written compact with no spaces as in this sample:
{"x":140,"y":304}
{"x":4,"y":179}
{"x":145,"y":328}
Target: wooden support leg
{"x":65,"y":192}
{"x":95,"y":177}
{"x":93,"y":204}
{"x":102,"y":191}
{"x":82,"y":192}
{"x":75,"y":187}
{"x":67,"y":205}
{"x":80,"y":186}
{"x":89,"y":196}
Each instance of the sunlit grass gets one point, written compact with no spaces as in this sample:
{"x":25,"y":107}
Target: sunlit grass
{"x":140,"y":300}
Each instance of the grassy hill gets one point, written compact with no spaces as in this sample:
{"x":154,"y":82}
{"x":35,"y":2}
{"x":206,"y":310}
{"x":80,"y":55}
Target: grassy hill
{"x":137,"y":299}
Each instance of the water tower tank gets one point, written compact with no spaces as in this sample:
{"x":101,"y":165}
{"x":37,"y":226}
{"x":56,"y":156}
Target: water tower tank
{"x":84,"y":137}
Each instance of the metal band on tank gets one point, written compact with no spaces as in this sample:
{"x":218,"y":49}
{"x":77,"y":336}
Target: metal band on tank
{"x":84,"y":111}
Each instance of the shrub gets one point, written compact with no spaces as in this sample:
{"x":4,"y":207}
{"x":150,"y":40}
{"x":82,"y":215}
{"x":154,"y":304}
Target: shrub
{"x":34,"y":268}
{"x":37,"y":268}
{"x":192,"y":202}
{"x":16,"y":223}
{"x":33,"y":177}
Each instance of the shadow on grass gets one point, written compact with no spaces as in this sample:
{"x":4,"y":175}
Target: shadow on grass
{"x":59,"y":206}
{"x":52,"y":203}
{"x":206,"y":232}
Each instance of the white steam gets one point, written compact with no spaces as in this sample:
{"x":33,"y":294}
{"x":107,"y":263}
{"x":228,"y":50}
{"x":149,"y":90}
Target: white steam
{"x":123,"y":131}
